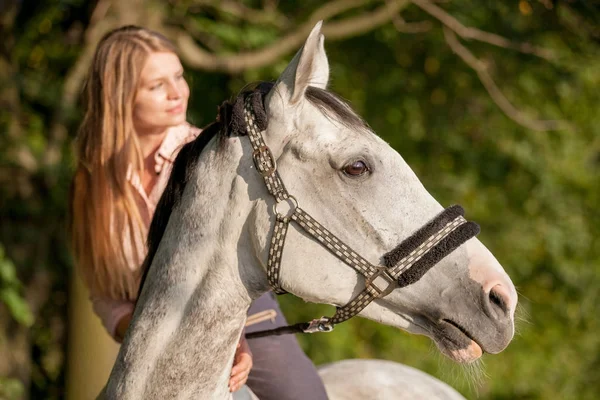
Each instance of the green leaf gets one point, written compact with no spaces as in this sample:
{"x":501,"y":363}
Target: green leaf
{"x":8,"y":273}
{"x":17,"y":306}
{"x":11,"y":388}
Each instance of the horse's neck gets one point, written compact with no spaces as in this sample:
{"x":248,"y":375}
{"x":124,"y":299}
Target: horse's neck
{"x":191,"y":312}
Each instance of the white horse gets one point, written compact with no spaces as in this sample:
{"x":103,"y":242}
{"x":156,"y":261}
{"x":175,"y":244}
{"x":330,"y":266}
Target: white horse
{"x":212,"y":259}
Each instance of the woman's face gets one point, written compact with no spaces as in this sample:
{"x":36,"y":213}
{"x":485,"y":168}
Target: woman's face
{"x":162,"y":95}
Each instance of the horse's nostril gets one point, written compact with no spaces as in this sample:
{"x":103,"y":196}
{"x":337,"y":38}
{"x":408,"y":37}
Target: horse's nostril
{"x":499,"y":300}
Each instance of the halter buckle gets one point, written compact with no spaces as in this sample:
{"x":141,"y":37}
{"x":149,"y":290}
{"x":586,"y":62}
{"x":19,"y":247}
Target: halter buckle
{"x":319,"y":325}
{"x":264,"y":161}
{"x":381,"y":283}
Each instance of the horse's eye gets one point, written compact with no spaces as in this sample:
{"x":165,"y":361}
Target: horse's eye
{"x":357,"y":168}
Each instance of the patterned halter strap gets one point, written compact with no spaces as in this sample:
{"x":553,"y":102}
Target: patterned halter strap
{"x":404,"y":265}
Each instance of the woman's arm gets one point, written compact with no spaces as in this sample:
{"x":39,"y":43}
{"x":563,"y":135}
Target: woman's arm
{"x":114,"y":314}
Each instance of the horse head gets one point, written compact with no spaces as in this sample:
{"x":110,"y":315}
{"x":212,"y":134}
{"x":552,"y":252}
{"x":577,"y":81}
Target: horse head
{"x":360,"y":188}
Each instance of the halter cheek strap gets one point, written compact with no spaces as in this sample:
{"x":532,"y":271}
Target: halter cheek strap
{"x":404,"y":265}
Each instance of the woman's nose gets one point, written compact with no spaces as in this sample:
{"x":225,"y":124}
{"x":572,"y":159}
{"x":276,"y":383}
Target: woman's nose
{"x":174,"y":91}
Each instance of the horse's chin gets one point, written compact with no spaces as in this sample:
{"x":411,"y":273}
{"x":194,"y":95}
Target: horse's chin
{"x":465,"y":355}
{"x":456,"y":343}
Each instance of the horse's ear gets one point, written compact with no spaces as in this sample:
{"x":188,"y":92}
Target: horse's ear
{"x":309,"y":67}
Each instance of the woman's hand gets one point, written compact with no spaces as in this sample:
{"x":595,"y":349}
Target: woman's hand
{"x":242,"y":363}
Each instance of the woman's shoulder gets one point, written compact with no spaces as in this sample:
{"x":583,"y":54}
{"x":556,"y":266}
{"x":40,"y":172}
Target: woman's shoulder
{"x":176,"y":138}
{"x":193,"y":131}
{"x":183,"y":133}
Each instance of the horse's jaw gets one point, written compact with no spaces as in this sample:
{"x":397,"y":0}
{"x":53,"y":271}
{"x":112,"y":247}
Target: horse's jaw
{"x":451,"y":342}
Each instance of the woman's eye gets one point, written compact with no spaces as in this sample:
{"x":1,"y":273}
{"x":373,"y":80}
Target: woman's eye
{"x":357,"y":168}
{"x":158,"y":85}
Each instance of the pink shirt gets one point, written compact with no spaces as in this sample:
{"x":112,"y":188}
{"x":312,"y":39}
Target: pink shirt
{"x":110,"y":310}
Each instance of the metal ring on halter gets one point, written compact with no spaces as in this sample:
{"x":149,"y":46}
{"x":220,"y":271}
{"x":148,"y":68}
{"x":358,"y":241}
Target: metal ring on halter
{"x":293,"y":205}
{"x":322,"y":324}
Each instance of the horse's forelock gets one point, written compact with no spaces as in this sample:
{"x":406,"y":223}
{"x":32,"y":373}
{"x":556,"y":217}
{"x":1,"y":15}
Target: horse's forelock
{"x":335,"y":108}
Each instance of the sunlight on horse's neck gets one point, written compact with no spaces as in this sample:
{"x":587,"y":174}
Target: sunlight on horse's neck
{"x":219,"y":209}
{"x":202,"y":282}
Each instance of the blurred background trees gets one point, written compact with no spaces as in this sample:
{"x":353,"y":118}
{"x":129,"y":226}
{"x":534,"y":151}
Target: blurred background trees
{"x":493,"y":104}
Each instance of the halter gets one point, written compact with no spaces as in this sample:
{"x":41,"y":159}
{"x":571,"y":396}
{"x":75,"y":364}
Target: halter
{"x":404,"y":265}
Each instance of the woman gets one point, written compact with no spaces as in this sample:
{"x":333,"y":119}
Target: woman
{"x":134,"y":125}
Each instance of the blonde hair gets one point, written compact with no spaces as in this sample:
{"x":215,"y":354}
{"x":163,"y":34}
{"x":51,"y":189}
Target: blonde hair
{"x":103,"y":203}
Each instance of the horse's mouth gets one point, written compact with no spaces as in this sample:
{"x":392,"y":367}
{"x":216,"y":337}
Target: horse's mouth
{"x":457,"y":342}
{"x":453,"y":339}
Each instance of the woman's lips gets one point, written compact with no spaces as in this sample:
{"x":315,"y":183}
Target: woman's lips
{"x":175,"y":110}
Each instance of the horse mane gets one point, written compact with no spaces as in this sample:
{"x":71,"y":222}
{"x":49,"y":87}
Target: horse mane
{"x":230,"y":122}
{"x":335,"y":108}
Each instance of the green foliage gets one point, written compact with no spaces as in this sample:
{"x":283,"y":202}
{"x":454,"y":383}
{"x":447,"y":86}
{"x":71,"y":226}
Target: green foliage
{"x":11,"y":389}
{"x":10,"y":291}
{"x":234,"y":36}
